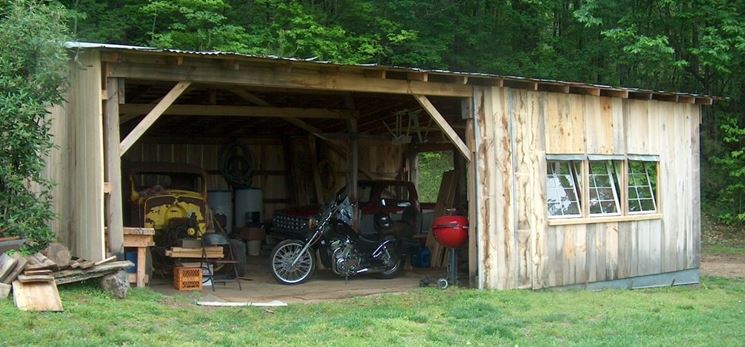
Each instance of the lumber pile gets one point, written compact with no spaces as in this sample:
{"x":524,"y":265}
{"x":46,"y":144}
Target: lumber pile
{"x":182,"y":252}
{"x":445,"y":201}
{"x":33,"y":279}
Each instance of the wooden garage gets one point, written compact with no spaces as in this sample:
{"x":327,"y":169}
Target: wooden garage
{"x":564,"y":184}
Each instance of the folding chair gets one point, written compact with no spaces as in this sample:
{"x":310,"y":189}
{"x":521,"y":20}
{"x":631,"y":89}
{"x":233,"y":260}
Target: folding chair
{"x":216,"y":239}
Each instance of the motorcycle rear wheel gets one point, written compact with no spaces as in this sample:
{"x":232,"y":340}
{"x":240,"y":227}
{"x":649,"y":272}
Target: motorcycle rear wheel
{"x":282,"y":256}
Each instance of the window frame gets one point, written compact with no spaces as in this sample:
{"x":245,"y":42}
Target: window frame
{"x":608,"y":163}
{"x":654,"y":190}
{"x":575,"y":178}
{"x":621,"y":164}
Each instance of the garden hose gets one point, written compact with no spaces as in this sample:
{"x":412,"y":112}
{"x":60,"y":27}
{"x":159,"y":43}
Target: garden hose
{"x":236,"y":165}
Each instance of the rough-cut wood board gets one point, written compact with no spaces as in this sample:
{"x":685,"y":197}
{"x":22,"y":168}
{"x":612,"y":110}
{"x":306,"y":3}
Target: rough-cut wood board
{"x":37,"y":272}
{"x":19,"y":267}
{"x":4,"y":290}
{"x":37,"y":296}
{"x":34,"y":278}
{"x":85,"y":161}
{"x":77,"y":275}
{"x":7,"y":264}
{"x":104,"y":261}
{"x":138,"y":231}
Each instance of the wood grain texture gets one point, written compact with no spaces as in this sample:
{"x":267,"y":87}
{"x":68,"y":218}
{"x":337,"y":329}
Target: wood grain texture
{"x":37,"y":296}
{"x":589,"y":250}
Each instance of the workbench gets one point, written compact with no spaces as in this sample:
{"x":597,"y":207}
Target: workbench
{"x":140,"y":238}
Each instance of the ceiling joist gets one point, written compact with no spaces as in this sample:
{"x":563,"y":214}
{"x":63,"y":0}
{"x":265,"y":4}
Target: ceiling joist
{"x":237,"y":111}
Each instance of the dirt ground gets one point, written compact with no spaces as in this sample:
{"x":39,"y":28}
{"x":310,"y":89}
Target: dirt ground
{"x":723,"y":265}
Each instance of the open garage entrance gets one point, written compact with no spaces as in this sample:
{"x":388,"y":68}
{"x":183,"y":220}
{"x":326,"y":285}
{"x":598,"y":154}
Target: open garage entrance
{"x":268,"y":154}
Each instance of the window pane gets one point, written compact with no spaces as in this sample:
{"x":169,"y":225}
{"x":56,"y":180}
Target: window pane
{"x":642,"y":186}
{"x":603,"y":188}
{"x":562,"y":191}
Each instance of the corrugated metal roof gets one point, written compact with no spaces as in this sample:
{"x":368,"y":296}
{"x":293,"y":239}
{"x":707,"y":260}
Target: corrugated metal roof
{"x":92,"y":45}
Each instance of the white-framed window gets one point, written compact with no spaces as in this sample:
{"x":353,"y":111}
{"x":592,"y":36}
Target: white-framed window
{"x":590,"y":186}
{"x":563,"y":193}
{"x":604,"y":189}
{"x":642,"y":186}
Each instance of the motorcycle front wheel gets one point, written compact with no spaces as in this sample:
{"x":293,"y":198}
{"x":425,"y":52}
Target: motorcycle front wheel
{"x":282,"y":257}
{"x":397,"y":264}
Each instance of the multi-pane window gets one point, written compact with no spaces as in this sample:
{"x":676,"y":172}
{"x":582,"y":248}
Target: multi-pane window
{"x":642,"y":186}
{"x":563,"y":188}
{"x":603,"y":184}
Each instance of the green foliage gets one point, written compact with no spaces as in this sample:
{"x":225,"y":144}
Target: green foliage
{"x":33,"y":67}
{"x":430,"y":167}
{"x":692,"y":46}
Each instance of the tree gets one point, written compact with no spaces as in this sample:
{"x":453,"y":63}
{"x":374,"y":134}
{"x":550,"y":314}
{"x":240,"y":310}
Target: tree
{"x":33,"y":65}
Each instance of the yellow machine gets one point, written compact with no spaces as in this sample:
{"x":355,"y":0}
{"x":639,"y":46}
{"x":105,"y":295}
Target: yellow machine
{"x":171,"y":198}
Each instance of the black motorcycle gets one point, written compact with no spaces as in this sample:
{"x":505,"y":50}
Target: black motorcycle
{"x":344,"y":251}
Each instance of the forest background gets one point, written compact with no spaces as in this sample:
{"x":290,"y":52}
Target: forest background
{"x":693,"y":46}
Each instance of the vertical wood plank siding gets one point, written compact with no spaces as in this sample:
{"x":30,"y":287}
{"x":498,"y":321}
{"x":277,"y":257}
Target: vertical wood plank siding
{"x":76,"y":163}
{"x":518,"y":128}
{"x":381,"y":160}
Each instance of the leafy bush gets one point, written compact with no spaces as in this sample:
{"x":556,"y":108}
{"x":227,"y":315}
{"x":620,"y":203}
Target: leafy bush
{"x":33,"y":66}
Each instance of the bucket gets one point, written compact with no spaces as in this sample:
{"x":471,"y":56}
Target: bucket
{"x":248,"y":206}
{"x":254,"y":247}
{"x":220,"y":201}
{"x":131,"y":256}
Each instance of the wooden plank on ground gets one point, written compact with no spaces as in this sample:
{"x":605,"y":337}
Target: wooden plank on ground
{"x":39,"y":262}
{"x":37,"y":272}
{"x":70,"y":276}
{"x":104,"y":261}
{"x":20,"y":266}
{"x":37,"y":296}
{"x":4,"y":290}
{"x":7,"y":264}
{"x":35,"y":278}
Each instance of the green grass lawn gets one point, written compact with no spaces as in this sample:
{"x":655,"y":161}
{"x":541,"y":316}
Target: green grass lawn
{"x":712,"y":314}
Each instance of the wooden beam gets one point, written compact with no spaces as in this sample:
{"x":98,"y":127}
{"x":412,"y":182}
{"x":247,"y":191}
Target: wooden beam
{"x":245,"y":95}
{"x":238,"y":111}
{"x":704,"y":100}
{"x":444,"y":126}
{"x":374,"y":73}
{"x":114,"y":216}
{"x":585,"y":90}
{"x":154,"y":114}
{"x":417,"y":76}
{"x":555,"y":88}
{"x":615,"y":93}
{"x":209,"y":72}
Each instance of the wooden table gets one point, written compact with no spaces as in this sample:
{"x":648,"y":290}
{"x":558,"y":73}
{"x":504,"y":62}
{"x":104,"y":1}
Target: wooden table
{"x":140,"y":238}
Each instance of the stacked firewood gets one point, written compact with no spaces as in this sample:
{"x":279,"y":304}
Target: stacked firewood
{"x":34,"y":278}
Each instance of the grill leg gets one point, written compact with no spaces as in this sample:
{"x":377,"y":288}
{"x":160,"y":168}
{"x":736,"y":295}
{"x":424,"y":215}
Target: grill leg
{"x":453,"y":267}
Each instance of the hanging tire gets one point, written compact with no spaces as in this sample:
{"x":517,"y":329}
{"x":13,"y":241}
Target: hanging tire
{"x":397,"y":264}
{"x":282,"y":257}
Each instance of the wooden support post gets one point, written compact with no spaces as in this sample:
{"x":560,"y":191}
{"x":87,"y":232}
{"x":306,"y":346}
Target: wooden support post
{"x":314,"y":166}
{"x":153,"y":116}
{"x":444,"y":126}
{"x":114,"y":215}
{"x":353,"y":157}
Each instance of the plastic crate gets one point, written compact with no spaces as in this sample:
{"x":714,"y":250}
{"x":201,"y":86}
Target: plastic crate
{"x":187,"y":278}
